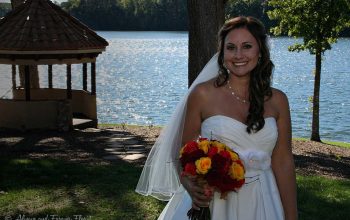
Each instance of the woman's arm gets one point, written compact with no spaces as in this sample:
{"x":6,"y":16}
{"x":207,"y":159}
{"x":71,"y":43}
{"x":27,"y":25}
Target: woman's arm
{"x":282,"y":158}
{"x":191,"y":131}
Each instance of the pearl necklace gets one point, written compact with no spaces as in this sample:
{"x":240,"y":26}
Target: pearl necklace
{"x":234,"y":94}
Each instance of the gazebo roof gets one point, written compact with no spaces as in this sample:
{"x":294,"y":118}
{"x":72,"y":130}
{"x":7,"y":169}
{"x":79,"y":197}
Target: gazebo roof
{"x":39,"y":27}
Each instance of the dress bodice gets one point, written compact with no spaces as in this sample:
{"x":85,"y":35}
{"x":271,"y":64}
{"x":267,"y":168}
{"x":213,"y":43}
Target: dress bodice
{"x":255,"y":148}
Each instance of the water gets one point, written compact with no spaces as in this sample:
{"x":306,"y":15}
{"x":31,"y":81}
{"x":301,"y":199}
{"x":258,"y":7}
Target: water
{"x":142,"y":76}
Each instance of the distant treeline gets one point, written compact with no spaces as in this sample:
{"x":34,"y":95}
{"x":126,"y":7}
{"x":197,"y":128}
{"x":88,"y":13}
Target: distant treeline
{"x":130,"y":14}
{"x":144,"y":15}
{"x":4,"y":8}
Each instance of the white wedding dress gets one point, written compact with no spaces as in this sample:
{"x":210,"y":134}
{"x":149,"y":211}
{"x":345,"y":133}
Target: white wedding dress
{"x":259,"y":198}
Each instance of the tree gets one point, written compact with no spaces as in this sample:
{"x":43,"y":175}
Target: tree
{"x":16,"y":3}
{"x":319,"y":22}
{"x":205,"y":19}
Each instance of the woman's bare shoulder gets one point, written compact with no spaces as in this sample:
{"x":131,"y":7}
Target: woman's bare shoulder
{"x":279,"y":96}
{"x":202,"y":90}
{"x":279,"y":101}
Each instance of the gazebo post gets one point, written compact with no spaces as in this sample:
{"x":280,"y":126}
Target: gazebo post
{"x":50,"y":76}
{"x":85,"y":76}
{"x":69,"y":81}
{"x":93,"y":78}
{"x":27,"y":82}
{"x":14,"y":84}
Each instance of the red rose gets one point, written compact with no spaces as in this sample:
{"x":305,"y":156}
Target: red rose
{"x":190,"y":168}
{"x":221,"y":164}
{"x":190,"y":147}
{"x":191,"y":157}
{"x":212,"y":151}
{"x":225,"y":154}
{"x":213,"y":178}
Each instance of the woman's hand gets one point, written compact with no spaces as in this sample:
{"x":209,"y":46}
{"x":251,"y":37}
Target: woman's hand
{"x":201,"y":194}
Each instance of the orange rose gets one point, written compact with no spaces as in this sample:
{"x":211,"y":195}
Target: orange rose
{"x":236,"y":171}
{"x":203,"y":165}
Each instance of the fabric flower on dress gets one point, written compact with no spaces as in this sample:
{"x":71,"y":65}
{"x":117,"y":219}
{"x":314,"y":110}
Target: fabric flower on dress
{"x":256,"y":160}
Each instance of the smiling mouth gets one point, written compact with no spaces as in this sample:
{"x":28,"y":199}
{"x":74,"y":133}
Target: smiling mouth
{"x":240,"y":64}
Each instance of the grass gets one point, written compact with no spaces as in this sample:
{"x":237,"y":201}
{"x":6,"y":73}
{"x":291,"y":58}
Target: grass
{"x":322,"y":198}
{"x":339,"y":144}
{"x":38,"y":188}
{"x":335,"y":143}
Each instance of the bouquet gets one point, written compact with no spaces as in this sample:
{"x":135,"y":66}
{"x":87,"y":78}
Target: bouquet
{"x":215,"y":164}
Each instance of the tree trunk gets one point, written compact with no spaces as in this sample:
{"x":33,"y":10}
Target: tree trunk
{"x":315,"y":133}
{"x":205,"y":19}
{"x":16,"y":3}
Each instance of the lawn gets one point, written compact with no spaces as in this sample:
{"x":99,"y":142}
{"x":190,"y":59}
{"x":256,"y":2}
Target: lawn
{"x":38,"y":188}
{"x":58,"y":176}
{"x":47,"y":187}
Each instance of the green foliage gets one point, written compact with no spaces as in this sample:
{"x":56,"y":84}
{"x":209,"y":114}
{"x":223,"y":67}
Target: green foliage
{"x":244,"y":7}
{"x":4,"y":9}
{"x":319,"y":22}
{"x":70,"y":4}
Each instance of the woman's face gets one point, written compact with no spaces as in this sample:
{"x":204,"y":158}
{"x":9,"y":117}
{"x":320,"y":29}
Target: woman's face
{"x":241,"y":52}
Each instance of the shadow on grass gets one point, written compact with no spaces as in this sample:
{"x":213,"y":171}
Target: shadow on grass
{"x":48,"y":186}
{"x":77,"y":145}
{"x":322,"y":198}
{"x":337,"y":166}
{"x":64,"y":174}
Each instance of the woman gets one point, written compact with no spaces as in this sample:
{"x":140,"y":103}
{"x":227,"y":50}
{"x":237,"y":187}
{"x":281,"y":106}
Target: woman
{"x":231,"y":101}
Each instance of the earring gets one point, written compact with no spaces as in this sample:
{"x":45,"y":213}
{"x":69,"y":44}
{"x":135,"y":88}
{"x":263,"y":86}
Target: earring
{"x":228,"y":71}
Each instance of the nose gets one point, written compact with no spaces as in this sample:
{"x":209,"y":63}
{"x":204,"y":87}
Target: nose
{"x":238,"y":53}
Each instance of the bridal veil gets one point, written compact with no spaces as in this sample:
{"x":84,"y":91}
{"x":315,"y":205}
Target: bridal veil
{"x":159,"y":177}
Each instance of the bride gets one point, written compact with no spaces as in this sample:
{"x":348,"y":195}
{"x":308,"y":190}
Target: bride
{"x":231,"y":101}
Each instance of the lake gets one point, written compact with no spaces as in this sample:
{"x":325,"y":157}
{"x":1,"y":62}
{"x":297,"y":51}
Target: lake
{"x":142,"y":76}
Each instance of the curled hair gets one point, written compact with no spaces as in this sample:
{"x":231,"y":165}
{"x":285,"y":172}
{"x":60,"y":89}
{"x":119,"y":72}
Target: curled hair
{"x":260,"y":76}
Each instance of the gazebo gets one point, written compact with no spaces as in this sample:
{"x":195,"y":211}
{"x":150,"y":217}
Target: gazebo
{"x":38,"y":32}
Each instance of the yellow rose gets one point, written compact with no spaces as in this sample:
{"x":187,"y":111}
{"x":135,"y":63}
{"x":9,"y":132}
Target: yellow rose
{"x":234,"y":156}
{"x":204,"y":146}
{"x":182,"y":150}
{"x":203,"y":165}
{"x":236,"y":171}
{"x":219,"y":145}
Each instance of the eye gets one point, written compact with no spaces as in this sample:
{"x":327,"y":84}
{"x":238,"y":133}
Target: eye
{"x":247,"y":46}
{"x":230,"y":47}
